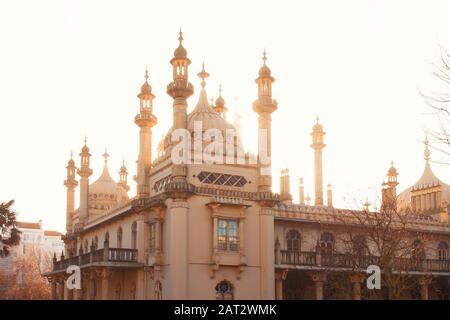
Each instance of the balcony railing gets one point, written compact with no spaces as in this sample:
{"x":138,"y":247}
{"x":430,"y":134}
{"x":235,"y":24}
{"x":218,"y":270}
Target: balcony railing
{"x":337,"y":260}
{"x":111,"y":255}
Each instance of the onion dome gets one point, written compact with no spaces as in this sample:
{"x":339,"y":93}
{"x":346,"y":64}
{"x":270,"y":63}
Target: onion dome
{"x":264,"y":71}
{"x":180,"y":52}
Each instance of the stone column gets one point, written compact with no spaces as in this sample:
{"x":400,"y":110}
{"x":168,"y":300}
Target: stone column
{"x":267,"y":253}
{"x":356,"y":280}
{"x":54,"y":284}
{"x":91,"y":285}
{"x":105,"y":275}
{"x":177,"y":250}
{"x":318,"y":278}
{"x":61,"y":288}
{"x":280,"y":276}
{"x":424,"y":282}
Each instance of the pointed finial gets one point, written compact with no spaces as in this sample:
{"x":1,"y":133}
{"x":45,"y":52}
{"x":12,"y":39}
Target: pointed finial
{"x":180,"y":38}
{"x":105,"y":155}
{"x":426,"y":153}
{"x":71,"y":154}
{"x":264,"y":56}
{"x":212,"y":101}
{"x":85,"y":139}
{"x":203,"y":74}
{"x":220,"y":89}
{"x":392,"y":163}
{"x":123,"y":161}
{"x":317,"y":119}
{"x":146,"y":74}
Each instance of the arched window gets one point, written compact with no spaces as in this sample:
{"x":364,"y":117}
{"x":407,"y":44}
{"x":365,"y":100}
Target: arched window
{"x":443,"y":250}
{"x":293,"y":240}
{"x":134,"y":235}
{"x":119,"y":237}
{"x":106,"y":241}
{"x":326,"y":243}
{"x":95,"y":243}
{"x":359,"y":245}
{"x":86,"y":246}
{"x":224,"y":290}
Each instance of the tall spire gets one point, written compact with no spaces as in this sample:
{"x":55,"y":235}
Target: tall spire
{"x":264,"y":106}
{"x":145,"y":120}
{"x":317,"y":144}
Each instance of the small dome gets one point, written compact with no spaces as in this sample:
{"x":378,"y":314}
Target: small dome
{"x":71,"y":163}
{"x":264,"y":71}
{"x":146,"y":88}
{"x":392,"y":171}
{"x":85,"y":149}
{"x":220,"y":102}
{"x":180,"y":52}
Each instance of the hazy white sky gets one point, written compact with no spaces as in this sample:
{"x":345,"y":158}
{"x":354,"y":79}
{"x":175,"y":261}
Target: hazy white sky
{"x":73,"y":67}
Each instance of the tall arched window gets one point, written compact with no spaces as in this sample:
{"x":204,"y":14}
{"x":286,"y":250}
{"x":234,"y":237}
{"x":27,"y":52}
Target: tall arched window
{"x":119,"y":237}
{"x":326,"y":243}
{"x":443,"y":250}
{"x":224,"y":290}
{"x":106,"y":241}
{"x":293,"y":240}
{"x":134,"y":235}
{"x":95,"y":243}
{"x":86,"y":246}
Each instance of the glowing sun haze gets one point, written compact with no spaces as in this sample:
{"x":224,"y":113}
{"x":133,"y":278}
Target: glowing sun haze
{"x":70,"y":68}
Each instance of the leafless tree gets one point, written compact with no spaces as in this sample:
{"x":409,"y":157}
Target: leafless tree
{"x":383,"y":238}
{"x":439,"y":103}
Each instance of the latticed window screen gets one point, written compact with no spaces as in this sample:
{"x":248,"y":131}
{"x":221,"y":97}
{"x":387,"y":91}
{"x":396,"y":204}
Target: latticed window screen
{"x":161,"y":183}
{"x":221,"y":179}
{"x":227,"y":234}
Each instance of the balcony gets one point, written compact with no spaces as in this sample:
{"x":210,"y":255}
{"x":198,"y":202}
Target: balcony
{"x":110,"y":257}
{"x":313,"y":260}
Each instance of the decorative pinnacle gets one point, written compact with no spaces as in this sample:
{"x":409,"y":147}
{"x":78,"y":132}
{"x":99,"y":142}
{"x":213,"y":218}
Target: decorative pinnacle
{"x":180,"y":38}
{"x":71,"y":154}
{"x":264,"y":56}
{"x":426,"y":153}
{"x":212,"y":102}
{"x":317,"y":119}
{"x":146,"y":74}
{"x":85,"y":139}
{"x":105,"y":155}
{"x":220,"y":89}
{"x":203,"y":74}
{"x":392,"y":163}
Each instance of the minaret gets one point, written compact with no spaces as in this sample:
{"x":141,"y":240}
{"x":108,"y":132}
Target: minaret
{"x":329,"y":196}
{"x":123,"y":175}
{"x":84,"y":172}
{"x":71,"y":184}
{"x":302,"y":192}
{"x":180,"y":89}
{"x":389,"y":192}
{"x":317,"y":144}
{"x":145,"y":120}
{"x":264,"y":106}
{"x":285,"y":193}
{"x":220,"y":107}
